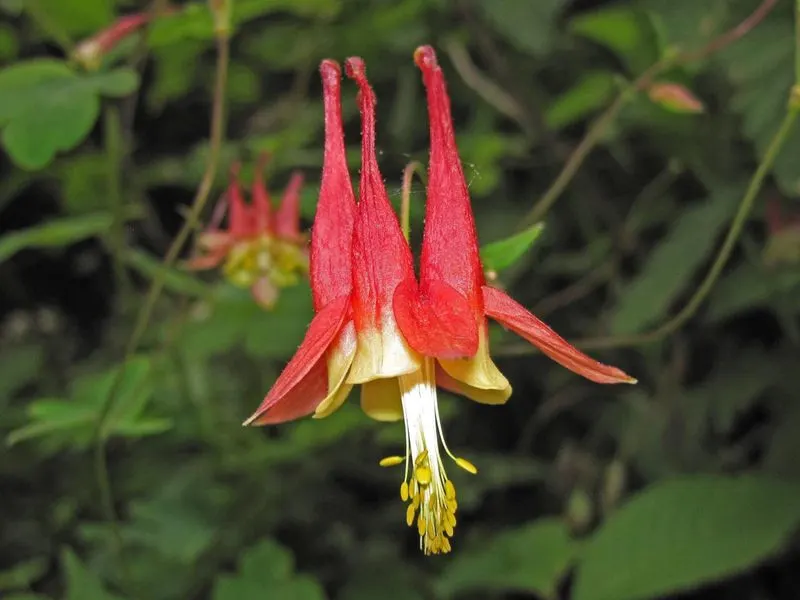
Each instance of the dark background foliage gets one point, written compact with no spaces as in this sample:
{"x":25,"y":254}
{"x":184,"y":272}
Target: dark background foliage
{"x":685,"y":486}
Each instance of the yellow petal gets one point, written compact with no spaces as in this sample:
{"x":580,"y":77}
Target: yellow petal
{"x":382,"y":353}
{"x":380,"y":399}
{"x":340,"y":358}
{"x":477,"y":377}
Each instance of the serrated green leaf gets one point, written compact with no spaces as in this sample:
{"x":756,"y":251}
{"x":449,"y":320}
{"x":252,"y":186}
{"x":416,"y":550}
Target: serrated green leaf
{"x":501,"y":254}
{"x":82,"y":584}
{"x":685,"y":532}
{"x":47,"y":108}
{"x":589,"y":94}
{"x":671,"y":265}
{"x":74,"y":419}
{"x":527,"y":25}
{"x":761,"y":67}
{"x":532,"y":558}
{"x":626,"y":31}
{"x":266,"y":565}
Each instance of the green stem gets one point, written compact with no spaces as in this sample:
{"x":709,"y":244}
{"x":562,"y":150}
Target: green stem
{"x":112,"y":129}
{"x":734,"y":231}
{"x":628,"y":93}
{"x":405,"y":197}
{"x":145,"y":313}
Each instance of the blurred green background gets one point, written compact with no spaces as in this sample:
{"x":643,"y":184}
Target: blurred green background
{"x":685,"y":486}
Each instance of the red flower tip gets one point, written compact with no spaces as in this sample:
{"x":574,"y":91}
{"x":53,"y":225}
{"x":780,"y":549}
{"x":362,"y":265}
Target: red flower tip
{"x":330,"y":72}
{"x":262,"y":205}
{"x":425,"y":57}
{"x":287,"y":219}
{"x":331,"y":241}
{"x":355,"y":68}
{"x":238,"y":212}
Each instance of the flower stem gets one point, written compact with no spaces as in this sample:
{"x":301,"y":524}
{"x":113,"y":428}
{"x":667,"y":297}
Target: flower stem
{"x":100,"y":433}
{"x":112,"y":130}
{"x":734,"y":231}
{"x":405,"y":198}
{"x":628,"y":93}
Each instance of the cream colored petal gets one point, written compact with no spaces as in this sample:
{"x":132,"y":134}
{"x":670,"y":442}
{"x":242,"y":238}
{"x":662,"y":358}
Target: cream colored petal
{"x":340,"y":358}
{"x":382,"y":353}
{"x":380,"y":399}
{"x":477,"y":377}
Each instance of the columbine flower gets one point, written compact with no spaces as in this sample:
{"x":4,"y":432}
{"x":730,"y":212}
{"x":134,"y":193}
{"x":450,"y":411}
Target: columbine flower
{"x":90,"y":52}
{"x":397,"y":337}
{"x":260,"y":249}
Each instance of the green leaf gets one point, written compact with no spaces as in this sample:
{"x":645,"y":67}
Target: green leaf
{"x":19,"y":367}
{"x":9,"y":46}
{"x":82,"y":584}
{"x":174,"y":279}
{"x":73,"y":421}
{"x":628,"y":32}
{"x":194,"y":21}
{"x":527,"y":25}
{"x":23,"y":574}
{"x":671,"y":265}
{"x":685,"y":532}
{"x":501,"y":254}
{"x":266,"y":566}
{"x":78,"y":17}
{"x":55,"y":234}
{"x":48,"y":108}
{"x":761,"y":68}
{"x":591,"y":93}
{"x":533,"y":558}
{"x":747,"y":287}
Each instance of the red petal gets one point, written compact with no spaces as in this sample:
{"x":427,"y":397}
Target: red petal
{"x":513,"y":315}
{"x":436,"y":321}
{"x":293,"y":394}
{"x":262,"y":205}
{"x":450,"y":242}
{"x":301,"y":401}
{"x":239,"y":221}
{"x":287,"y":219}
{"x":332,"y":233}
{"x":381,"y":256}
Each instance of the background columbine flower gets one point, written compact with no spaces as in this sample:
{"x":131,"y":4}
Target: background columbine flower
{"x":260,"y":249}
{"x":396,"y":337}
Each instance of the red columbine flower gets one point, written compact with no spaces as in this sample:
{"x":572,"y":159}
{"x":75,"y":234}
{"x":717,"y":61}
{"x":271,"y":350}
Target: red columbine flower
{"x":398,"y":338}
{"x":90,"y":52}
{"x":262,"y":250}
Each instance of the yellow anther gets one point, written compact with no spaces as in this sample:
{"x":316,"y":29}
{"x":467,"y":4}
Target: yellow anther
{"x":449,"y":490}
{"x":404,"y":491}
{"x":421,"y":525}
{"x":391,"y":461}
{"x":416,"y":500}
{"x":410,"y":515}
{"x":451,"y":518}
{"x":422,"y":475}
{"x":448,"y":528}
{"x":452,"y":506}
{"x":466,"y":465}
{"x":446,"y":547}
{"x":423,"y":456}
